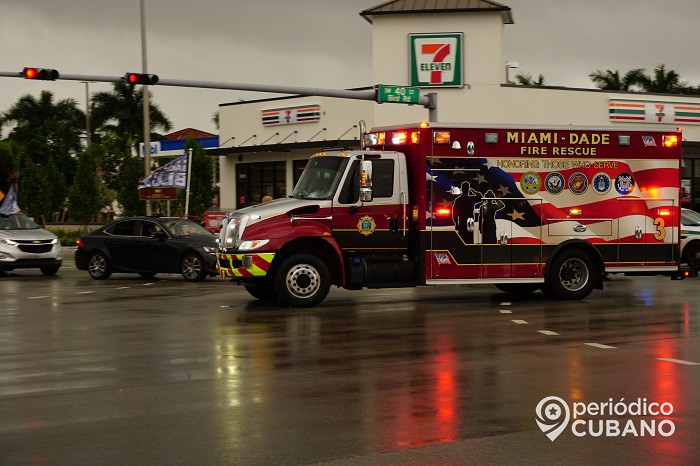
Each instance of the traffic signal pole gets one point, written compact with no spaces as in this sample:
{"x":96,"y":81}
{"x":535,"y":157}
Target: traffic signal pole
{"x":428,"y":101}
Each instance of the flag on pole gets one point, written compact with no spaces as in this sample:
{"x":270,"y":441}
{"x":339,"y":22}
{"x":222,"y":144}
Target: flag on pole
{"x":9,"y":204}
{"x":171,"y":175}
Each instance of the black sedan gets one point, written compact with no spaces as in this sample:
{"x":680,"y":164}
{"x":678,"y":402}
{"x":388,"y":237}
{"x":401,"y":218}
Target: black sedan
{"x":148,"y":246}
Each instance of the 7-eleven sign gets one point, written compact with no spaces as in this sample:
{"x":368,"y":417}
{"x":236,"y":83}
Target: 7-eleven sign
{"x":436,"y":60}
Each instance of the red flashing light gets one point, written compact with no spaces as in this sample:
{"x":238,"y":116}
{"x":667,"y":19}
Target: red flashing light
{"x":670,"y":140}
{"x":443,"y":212}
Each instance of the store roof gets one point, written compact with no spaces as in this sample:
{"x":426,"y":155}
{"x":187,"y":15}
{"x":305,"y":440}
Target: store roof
{"x":399,"y":7}
{"x":187,"y":132}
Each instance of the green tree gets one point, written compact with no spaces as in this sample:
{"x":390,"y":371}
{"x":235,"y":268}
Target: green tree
{"x":202,"y":189}
{"x":526,"y":79}
{"x":85,"y":196}
{"x":126,"y":185}
{"x":665,"y":81}
{"x":10,"y":160}
{"x":611,"y":80}
{"x":120,"y":112}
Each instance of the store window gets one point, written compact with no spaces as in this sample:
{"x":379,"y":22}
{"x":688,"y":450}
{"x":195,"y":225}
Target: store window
{"x":256,"y":180}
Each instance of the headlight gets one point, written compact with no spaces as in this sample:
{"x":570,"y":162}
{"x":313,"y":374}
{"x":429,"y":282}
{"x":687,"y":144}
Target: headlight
{"x":54,"y":241}
{"x":209,"y":249}
{"x":232,"y":231}
{"x":253,"y":244}
{"x":8,"y":241}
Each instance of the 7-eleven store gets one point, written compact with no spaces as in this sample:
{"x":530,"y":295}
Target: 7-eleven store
{"x":456,"y":53}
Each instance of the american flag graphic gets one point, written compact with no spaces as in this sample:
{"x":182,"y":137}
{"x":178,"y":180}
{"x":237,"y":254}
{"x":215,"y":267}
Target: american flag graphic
{"x":527,"y":214}
{"x":649,"y":141}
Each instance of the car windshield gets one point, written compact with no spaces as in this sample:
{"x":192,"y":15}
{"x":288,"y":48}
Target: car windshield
{"x":17,"y":221}
{"x":690,"y":218}
{"x":320,"y":178}
{"x":185,"y":227}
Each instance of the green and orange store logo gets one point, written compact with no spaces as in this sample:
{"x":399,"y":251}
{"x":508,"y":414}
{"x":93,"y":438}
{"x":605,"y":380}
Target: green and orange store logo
{"x":436,"y":60}
{"x":366,"y":225}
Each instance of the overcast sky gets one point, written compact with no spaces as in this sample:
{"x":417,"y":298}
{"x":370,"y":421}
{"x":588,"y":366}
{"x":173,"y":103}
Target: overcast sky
{"x":312,"y":43}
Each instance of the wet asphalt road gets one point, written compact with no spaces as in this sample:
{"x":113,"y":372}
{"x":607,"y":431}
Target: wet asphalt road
{"x":163,"y":372}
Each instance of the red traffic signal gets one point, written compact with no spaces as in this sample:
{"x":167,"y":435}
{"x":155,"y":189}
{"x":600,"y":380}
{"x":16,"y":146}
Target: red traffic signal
{"x":140,"y":78}
{"x":43,"y":74}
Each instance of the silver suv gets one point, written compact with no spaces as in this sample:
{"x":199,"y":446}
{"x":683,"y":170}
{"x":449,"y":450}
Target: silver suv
{"x":25,"y":245}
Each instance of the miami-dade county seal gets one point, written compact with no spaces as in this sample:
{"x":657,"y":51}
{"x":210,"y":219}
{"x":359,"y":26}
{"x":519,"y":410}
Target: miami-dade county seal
{"x":554,"y":183}
{"x":624,"y":183}
{"x":366,"y":225}
{"x":601,"y":183}
{"x":578,"y":183}
{"x":530,"y":182}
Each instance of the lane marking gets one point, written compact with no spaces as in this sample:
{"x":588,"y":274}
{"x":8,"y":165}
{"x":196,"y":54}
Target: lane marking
{"x":599,"y":345}
{"x":506,"y":303}
{"x":122,"y":287}
{"x":148,"y":284}
{"x":548,"y":332}
{"x":505,"y":311}
{"x":85,"y":292}
{"x":37,"y":297}
{"x":518,"y":321}
{"x":680,"y":361}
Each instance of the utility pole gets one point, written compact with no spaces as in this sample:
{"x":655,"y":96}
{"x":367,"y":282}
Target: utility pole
{"x":146,"y":105}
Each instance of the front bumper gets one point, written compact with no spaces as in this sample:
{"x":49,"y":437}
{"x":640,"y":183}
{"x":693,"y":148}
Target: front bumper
{"x":243,"y":265}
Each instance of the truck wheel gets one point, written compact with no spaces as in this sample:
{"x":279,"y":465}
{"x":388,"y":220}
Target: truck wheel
{"x":691,"y":255}
{"x":262,"y":291}
{"x":571,"y":275}
{"x":302,"y":280}
{"x":98,"y":266}
{"x":518,"y":288}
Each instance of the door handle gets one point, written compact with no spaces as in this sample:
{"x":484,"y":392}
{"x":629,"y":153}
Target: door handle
{"x":394,"y":225}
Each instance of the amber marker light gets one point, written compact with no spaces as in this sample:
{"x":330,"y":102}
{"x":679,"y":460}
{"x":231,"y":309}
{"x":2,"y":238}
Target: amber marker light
{"x":575,"y":212}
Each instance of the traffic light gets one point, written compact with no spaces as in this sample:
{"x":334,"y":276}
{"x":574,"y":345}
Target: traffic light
{"x":140,"y":78}
{"x":43,"y":74}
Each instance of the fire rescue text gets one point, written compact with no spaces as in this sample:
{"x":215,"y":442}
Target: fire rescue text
{"x":577,"y":144}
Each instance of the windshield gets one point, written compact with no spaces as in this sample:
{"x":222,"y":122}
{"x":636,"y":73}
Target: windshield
{"x":185,"y":227}
{"x":320,"y":178}
{"x":690,"y":218}
{"x":17,"y":222}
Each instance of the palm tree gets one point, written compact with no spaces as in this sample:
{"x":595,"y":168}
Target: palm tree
{"x":665,"y":81}
{"x":527,"y":80}
{"x":611,"y":81}
{"x":59,"y":122}
{"x":120,"y":112}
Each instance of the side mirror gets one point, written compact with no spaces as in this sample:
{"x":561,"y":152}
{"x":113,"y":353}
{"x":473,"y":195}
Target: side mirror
{"x":366,"y":181}
{"x":160,"y":235}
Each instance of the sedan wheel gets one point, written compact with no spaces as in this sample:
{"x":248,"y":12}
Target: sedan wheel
{"x":98,"y":266}
{"x":193,"y":268}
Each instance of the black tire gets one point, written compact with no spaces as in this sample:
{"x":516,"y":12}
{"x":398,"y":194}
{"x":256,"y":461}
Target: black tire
{"x":262,"y":291}
{"x":49,"y":270}
{"x":147,"y":274}
{"x":192,"y":267}
{"x":691,"y":255}
{"x":518,"y":288}
{"x":571,"y":275}
{"x":98,"y":266}
{"x":302,"y":280}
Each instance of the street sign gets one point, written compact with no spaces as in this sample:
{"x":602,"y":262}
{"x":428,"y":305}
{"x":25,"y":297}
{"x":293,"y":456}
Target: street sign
{"x":158,"y":194}
{"x":400,"y":94}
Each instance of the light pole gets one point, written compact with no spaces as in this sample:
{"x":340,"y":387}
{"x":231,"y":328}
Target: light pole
{"x":87,"y":114}
{"x":146,"y":105}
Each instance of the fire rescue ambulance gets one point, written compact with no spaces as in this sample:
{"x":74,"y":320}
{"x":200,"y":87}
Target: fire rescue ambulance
{"x":523,"y":208}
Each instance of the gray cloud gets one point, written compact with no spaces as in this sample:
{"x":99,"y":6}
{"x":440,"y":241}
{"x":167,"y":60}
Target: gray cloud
{"x":315,"y":43}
